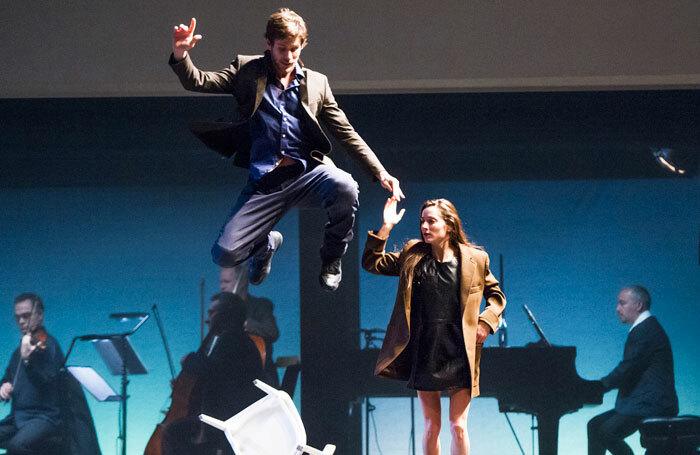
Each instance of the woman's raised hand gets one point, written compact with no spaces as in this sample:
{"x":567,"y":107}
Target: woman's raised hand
{"x":391,"y":218}
{"x":184,"y":39}
{"x":390,"y":215}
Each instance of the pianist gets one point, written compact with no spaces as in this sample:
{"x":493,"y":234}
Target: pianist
{"x":644,"y":377}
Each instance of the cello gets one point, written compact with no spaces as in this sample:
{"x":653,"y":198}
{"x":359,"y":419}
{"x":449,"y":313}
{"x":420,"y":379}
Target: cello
{"x":183,"y":387}
{"x":184,"y":396}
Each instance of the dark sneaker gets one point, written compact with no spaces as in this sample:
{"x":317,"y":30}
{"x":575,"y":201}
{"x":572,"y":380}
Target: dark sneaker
{"x":331,"y":274}
{"x":260,"y":264}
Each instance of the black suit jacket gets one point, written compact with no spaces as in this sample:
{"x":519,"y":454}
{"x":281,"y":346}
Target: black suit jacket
{"x":645,"y":376}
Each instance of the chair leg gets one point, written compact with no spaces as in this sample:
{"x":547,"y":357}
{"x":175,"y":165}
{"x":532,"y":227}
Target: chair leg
{"x":329,"y":449}
{"x":310,"y":450}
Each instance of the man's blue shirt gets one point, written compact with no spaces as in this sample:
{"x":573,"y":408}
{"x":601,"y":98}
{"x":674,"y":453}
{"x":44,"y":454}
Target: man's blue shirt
{"x":277,"y":127}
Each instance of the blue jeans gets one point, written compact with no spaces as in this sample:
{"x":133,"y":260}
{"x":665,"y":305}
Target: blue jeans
{"x":262,"y":203}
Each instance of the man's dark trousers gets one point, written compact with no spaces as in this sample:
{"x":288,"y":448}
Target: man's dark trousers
{"x":262,"y":203}
{"x":608,"y":431}
{"x":28,"y":439}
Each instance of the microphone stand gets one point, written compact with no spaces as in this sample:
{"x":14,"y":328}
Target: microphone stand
{"x":503,"y":343}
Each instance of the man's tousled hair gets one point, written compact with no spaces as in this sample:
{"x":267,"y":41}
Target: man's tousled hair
{"x":285,"y":23}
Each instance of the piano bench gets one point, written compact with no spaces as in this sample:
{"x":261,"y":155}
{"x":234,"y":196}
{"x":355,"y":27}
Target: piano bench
{"x":670,"y":435}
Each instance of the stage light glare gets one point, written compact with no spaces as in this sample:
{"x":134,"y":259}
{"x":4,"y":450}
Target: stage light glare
{"x":669,"y":159}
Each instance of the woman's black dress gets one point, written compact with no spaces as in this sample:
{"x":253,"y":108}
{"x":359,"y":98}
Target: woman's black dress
{"x":439,"y":359}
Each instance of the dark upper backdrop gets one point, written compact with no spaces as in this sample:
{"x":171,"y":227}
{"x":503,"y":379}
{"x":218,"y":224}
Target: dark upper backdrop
{"x":108,"y":204}
{"x":104,"y":48}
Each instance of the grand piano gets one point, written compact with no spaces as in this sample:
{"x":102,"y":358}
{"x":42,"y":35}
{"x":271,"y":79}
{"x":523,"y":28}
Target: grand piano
{"x":539,"y":380}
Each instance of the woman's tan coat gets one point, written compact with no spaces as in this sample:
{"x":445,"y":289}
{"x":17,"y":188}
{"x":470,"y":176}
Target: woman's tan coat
{"x":476,"y":281}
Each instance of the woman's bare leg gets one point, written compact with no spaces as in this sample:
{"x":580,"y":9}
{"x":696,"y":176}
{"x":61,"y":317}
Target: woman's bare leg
{"x":430,"y":403}
{"x":460,"y":400}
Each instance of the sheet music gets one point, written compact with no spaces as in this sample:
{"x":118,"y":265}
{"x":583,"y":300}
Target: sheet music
{"x":536,"y":325}
{"x":94,"y":383}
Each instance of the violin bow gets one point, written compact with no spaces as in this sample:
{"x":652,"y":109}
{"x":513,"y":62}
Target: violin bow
{"x":165,"y":341}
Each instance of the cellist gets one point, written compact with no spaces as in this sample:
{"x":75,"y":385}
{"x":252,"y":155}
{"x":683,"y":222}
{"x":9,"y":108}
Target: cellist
{"x":222,"y":371}
{"x":31,"y":382}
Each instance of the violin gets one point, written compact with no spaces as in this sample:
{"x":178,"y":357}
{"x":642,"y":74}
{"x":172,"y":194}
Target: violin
{"x":35,"y":329}
{"x":37,"y":339}
{"x":36,"y":332}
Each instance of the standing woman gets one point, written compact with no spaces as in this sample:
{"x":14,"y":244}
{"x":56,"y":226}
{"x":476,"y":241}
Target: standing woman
{"x":436,"y":332}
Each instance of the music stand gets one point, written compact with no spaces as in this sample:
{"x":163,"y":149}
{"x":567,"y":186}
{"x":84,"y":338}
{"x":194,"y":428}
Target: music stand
{"x":120,"y":358}
{"x":94,"y":383}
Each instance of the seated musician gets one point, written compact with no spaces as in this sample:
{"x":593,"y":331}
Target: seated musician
{"x":223,"y":370}
{"x":644,"y":377}
{"x":31,"y":383}
{"x":260,"y":321}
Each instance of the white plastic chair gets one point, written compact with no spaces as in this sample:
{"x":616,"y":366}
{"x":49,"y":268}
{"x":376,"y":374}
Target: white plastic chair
{"x":270,"y":426}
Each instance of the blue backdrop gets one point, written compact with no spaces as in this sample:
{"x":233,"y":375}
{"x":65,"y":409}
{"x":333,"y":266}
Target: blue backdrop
{"x":568,"y":247}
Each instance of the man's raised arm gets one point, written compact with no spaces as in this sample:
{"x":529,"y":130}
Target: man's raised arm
{"x":184,"y":39}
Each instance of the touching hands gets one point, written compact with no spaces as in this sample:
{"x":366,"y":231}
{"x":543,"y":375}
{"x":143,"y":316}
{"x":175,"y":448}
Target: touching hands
{"x":392,"y":184}
{"x":390,"y":217}
{"x":184,"y":39}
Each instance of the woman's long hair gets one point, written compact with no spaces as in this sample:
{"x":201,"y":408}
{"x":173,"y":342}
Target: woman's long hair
{"x":418,"y":249}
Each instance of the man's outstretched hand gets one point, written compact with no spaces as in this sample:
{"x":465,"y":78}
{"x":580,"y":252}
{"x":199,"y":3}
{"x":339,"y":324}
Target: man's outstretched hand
{"x":184,"y":39}
{"x":391,"y":184}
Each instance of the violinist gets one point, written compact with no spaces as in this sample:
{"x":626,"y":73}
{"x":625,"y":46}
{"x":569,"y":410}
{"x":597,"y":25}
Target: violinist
{"x":223,"y":370}
{"x":31,"y":383}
